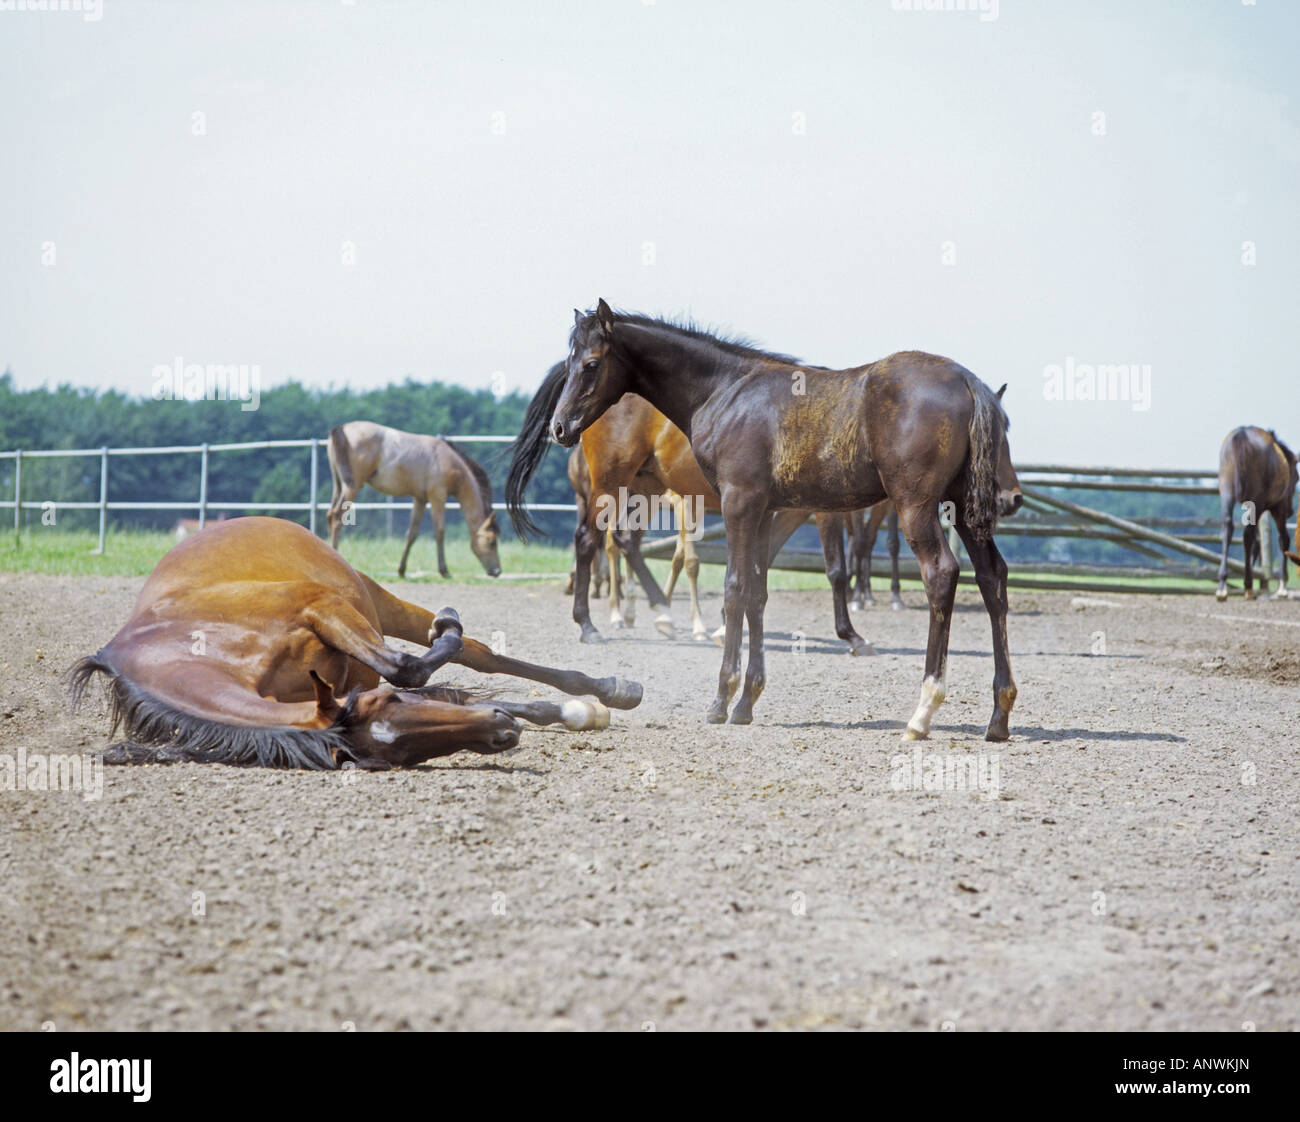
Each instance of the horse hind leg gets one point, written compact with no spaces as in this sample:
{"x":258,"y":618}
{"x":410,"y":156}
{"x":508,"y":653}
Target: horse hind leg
{"x":991,"y":575}
{"x":830,"y":527}
{"x":939,"y":571}
{"x":1225,"y":541}
{"x":891,"y":536}
{"x":1280,"y":515}
{"x":412,"y":532}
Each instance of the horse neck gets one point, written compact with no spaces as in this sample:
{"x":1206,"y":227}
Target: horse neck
{"x":462,"y":484}
{"x":677,"y":375}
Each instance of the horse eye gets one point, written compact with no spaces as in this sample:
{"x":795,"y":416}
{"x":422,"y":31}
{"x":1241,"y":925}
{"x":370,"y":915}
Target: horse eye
{"x":591,"y":364}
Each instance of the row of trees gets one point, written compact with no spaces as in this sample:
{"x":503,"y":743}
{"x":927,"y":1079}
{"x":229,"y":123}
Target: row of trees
{"x":69,"y":417}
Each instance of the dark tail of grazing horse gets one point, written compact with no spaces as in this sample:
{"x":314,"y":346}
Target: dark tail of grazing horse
{"x":988,"y":425}
{"x":530,"y":449}
{"x":338,"y":456}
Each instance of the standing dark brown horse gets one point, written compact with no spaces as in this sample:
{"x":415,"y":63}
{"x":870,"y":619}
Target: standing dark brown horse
{"x":1257,"y":469}
{"x":255,"y":643}
{"x":770,"y":434}
{"x":631,"y":446}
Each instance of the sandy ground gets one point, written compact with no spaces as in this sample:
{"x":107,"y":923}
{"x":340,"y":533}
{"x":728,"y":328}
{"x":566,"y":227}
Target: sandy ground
{"x":1136,"y":866}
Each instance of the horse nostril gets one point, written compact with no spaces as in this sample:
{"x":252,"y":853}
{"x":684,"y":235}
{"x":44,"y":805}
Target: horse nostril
{"x":558,"y":430}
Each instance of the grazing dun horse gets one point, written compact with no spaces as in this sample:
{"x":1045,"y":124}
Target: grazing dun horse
{"x":1257,"y":469}
{"x":254,"y":643}
{"x":427,"y":469}
{"x":770,"y":434}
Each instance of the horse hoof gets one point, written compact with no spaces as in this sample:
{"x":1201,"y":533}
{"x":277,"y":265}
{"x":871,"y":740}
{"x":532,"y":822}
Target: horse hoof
{"x":1250,"y":594}
{"x":1282,"y":594}
{"x":716,"y":718}
{"x":862,"y":647}
{"x":720,"y":636}
{"x":447,"y":620}
{"x":997,"y":735}
{"x":584,"y":716}
{"x":700,"y":636}
{"x":665,"y":628}
{"x":592,"y":636}
{"x":623,"y":693}
{"x":739,"y":718}
{"x":897,"y":605}
{"x":910,"y":733}
{"x":1221,"y":595}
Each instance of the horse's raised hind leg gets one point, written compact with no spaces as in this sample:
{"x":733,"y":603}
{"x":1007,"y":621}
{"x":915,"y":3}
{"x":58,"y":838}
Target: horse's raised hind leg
{"x":404,"y":620}
{"x":991,"y":575}
{"x":831,"y":529}
{"x":939,"y":570}
{"x":1225,"y":536}
{"x":891,"y":536}
{"x":755,"y":605}
{"x":413,"y":532}
{"x":438,"y":511}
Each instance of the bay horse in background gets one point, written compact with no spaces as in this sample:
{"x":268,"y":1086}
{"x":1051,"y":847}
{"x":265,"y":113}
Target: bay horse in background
{"x":770,"y":434}
{"x":634,"y":438}
{"x":256,"y":644}
{"x":1256,"y":467}
{"x":426,"y":469}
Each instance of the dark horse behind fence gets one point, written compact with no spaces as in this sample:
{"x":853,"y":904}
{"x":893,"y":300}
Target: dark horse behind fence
{"x":771,"y":434}
{"x":1255,"y":467}
{"x":255,"y":643}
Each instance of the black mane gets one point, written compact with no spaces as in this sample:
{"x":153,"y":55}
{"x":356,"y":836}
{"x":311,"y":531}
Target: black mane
{"x":478,"y":471}
{"x":738,"y":345}
{"x":159,"y":733}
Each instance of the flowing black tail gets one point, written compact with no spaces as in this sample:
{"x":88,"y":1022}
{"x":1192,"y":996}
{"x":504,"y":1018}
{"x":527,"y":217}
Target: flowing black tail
{"x":988,"y":425}
{"x":530,"y":449}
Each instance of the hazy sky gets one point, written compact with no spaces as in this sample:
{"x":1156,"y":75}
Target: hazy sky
{"x":1066,"y":183}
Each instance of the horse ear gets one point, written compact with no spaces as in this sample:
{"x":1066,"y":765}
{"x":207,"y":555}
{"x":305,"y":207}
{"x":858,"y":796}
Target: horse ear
{"x":605,"y":317}
{"x":1000,"y":392}
{"x":490,"y":522}
{"x":327,"y":704}
{"x":577,"y":318}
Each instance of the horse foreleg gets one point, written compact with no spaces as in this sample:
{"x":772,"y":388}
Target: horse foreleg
{"x":438,"y":511}
{"x":831,"y":529}
{"x":755,"y":605}
{"x":616,"y":620}
{"x":340,"y":500}
{"x":413,"y":531}
{"x":742,"y":514}
{"x":1225,"y":538}
{"x":939,"y":570}
{"x":629,"y":541}
{"x":891,"y":537}
{"x":991,"y":575}
{"x":1280,"y":515}
{"x":585,"y":544}
{"x":1249,"y":543}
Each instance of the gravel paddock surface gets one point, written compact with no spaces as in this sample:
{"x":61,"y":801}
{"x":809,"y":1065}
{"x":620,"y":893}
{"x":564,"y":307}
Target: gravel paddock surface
{"x":1134,"y":866}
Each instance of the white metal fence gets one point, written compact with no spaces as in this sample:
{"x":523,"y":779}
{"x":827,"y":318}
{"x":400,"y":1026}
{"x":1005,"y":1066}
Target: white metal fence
{"x":201,"y":503}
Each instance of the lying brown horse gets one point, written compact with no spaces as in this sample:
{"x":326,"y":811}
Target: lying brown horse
{"x":627,"y":445}
{"x":255,"y":643}
{"x":1255,"y":467}
{"x":770,"y":434}
{"x":427,"y":469}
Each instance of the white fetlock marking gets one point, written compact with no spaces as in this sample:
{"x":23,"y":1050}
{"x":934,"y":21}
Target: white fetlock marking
{"x":933,"y":691}
{"x":576,"y":715}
